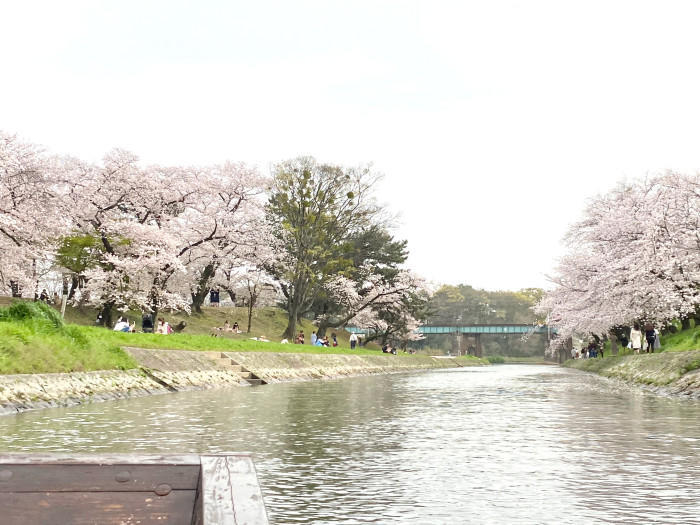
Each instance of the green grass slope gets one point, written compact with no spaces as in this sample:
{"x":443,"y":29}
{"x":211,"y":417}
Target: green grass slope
{"x":682,"y":341}
{"x":34,"y":338}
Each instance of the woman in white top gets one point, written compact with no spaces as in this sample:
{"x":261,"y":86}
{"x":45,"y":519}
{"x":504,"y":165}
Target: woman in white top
{"x":636,"y":338}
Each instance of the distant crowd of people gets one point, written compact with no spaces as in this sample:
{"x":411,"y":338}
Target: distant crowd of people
{"x":162,"y":327}
{"x":300,"y":339}
{"x":639,"y":340}
{"x":324,"y":341}
{"x":228,"y":327}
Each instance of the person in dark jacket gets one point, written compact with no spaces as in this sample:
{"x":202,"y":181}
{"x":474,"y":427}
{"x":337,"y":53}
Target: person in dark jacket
{"x":650,"y":336}
{"x":147,"y":324}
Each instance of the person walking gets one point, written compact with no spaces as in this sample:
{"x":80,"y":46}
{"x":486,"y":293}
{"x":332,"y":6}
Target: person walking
{"x":650,"y":336}
{"x":353,"y":341}
{"x":636,"y":338}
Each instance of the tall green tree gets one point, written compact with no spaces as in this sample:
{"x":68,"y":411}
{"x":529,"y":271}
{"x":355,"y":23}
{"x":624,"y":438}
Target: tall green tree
{"x":314,"y":210}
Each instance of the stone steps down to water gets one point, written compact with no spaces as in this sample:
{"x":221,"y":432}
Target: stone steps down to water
{"x":163,"y":371}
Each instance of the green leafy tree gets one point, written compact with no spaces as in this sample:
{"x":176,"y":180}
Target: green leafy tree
{"x":77,"y":253}
{"x":314,"y":211}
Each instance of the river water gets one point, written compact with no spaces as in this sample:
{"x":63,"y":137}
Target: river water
{"x":503,"y":444}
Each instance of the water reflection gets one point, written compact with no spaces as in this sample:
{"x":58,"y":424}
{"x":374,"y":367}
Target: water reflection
{"x":508,"y":444}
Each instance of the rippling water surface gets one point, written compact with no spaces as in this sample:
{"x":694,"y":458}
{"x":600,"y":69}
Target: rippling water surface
{"x":504,"y":444}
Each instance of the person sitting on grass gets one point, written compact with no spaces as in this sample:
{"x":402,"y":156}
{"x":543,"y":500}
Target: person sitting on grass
{"x":122,"y":325}
{"x":163,"y":327}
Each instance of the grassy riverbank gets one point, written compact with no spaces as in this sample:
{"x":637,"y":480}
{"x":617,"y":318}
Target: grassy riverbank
{"x":680,"y":356}
{"x":675,"y":370}
{"x":34,"y":339}
{"x":268,"y":321}
{"x":659,"y":369}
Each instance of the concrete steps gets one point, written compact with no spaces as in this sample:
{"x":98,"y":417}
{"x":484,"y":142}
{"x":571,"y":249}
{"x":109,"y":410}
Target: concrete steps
{"x":225,"y":362}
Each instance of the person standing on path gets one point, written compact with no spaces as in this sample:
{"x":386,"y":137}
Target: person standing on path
{"x":636,"y":338}
{"x":353,"y":341}
{"x":313,"y":338}
{"x":650,"y":336}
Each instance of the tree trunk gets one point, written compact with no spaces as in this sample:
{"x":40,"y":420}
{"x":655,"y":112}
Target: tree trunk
{"x":613,"y":343}
{"x":294,"y":304}
{"x":250,"y":315}
{"x":293,"y":316}
{"x":685,"y":323}
{"x":200,"y":294}
{"x":290,"y":332}
{"x":323,"y":325}
{"x":74,"y":283}
{"x":36,"y":281}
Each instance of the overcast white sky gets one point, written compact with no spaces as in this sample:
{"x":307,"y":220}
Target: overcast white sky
{"x":493,"y":121}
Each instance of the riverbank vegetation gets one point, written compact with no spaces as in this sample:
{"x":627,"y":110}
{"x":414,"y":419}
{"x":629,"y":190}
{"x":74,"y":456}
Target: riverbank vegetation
{"x":649,"y":369}
{"x":680,"y":355}
{"x":34,"y":339}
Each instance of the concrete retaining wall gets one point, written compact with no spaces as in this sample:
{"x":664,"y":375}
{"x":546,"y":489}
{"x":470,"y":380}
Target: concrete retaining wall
{"x":28,"y":391}
{"x":184,"y":370}
{"x":165,"y":371}
{"x":278,"y":367}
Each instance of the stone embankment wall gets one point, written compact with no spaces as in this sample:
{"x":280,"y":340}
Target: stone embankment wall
{"x":164,"y":371}
{"x":279,"y":367}
{"x":28,"y":391}
{"x":676,"y":373}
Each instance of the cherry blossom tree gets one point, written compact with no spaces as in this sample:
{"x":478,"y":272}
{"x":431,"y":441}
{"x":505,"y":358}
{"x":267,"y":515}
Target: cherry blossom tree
{"x":384,"y":307}
{"x":32,"y":213}
{"x":635,"y":255}
{"x":164,"y":230}
{"x":228,"y":230}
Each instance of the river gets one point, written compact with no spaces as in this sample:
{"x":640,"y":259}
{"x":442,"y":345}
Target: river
{"x":502,"y":444}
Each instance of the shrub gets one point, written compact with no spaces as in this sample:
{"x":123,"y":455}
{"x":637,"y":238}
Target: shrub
{"x":26,"y":310}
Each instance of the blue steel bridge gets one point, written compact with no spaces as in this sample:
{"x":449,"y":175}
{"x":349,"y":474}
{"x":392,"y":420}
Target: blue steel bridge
{"x":471,"y":333}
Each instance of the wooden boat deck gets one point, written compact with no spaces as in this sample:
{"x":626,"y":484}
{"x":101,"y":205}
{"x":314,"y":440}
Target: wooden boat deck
{"x":60,"y":489}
